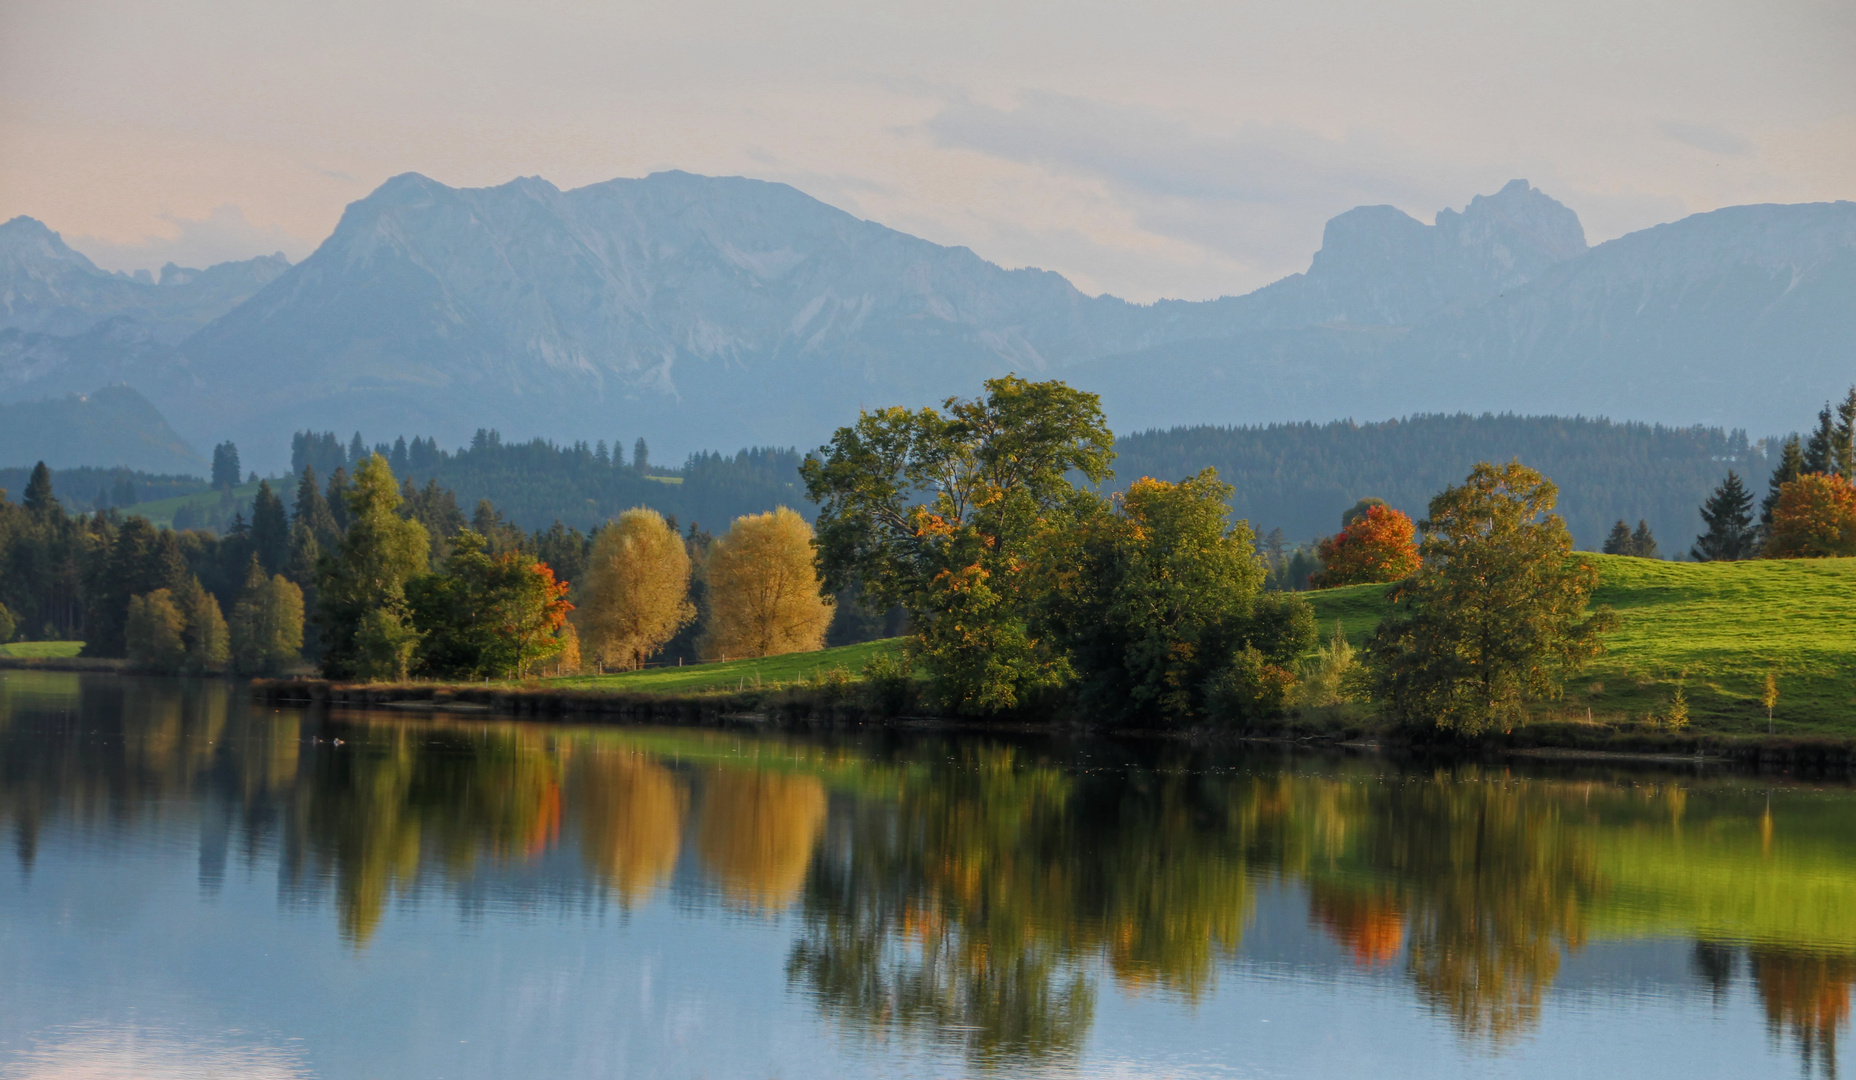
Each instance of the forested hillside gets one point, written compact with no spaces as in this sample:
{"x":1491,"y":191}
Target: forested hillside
{"x":537,"y":483}
{"x":1300,"y":477}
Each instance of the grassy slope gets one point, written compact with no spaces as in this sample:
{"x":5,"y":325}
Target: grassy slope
{"x":733,"y":674}
{"x":41,"y":650}
{"x":1724,"y":624}
{"x":161,"y":511}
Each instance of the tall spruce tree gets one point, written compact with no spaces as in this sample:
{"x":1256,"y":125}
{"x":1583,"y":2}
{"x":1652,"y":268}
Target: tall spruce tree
{"x":1618,"y":541}
{"x":225,"y":466}
{"x":1729,"y":517}
{"x":1819,"y":450}
{"x":270,"y":529}
{"x":39,"y":497}
{"x":1790,"y":467}
{"x":1643,"y":542}
{"x":312,"y":510}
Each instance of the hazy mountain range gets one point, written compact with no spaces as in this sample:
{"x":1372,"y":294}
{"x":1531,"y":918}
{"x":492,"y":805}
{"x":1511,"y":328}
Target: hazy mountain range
{"x":720,"y":312}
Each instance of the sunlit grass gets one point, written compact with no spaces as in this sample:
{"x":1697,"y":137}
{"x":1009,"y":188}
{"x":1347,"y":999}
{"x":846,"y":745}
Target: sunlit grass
{"x":1715,"y":629}
{"x":41,"y":650}
{"x":763,"y":673}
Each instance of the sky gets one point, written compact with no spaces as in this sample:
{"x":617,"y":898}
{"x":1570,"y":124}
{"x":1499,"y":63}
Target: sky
{"x":1149,"y":150}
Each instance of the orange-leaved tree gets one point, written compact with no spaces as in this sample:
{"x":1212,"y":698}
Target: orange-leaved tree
{"x":1378,"y":545}
{"x":1814,"y":518}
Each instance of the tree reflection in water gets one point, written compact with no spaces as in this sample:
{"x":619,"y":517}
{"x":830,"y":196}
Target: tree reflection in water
{"x":972,"y":892}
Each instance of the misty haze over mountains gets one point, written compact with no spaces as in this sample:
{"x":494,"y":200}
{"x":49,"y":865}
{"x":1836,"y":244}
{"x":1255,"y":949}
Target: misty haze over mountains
{"x":707,"y":312}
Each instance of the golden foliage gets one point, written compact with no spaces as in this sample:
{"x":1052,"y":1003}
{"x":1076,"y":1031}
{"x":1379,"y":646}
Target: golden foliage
{"x":631,"y":811}
{"x":757,"y":834}
{"x":763,"y":590}
{"x":636,"y":590}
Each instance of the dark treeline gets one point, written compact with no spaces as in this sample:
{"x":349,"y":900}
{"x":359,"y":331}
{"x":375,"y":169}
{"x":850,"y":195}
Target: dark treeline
{"x":1301,"y":477}
{"x":100,"y":489}
{"x":537,"y":483}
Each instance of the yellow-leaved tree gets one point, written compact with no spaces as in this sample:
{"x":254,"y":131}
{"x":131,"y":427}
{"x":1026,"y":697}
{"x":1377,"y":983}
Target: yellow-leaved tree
{"x":763,"y":590}
{"x":635,"y":596}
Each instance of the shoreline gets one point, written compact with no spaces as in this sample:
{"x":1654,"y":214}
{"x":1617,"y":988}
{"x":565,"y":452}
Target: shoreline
{"x":795,"y":709}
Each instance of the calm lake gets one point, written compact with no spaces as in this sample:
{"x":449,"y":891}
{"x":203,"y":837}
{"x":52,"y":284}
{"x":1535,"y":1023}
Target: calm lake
{"x":193,"y":886}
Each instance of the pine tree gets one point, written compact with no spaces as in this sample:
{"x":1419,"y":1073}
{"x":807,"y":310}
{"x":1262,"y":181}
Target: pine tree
{"x":312,"y":510}
{"x":1642,"y":543}
{"x":337,"y":499}
{"x":1729,"y":517}
{"x":1618,"y":542}
{"x":1789,"y":468}
{"x":39,"y":497}
{"x":641,"y":456}
{"x":357,"y":451}
{"x":225,"y":466}
{"x":1818,"y":451}
{"x":1843,"y":439}
{"x":270,"y":529}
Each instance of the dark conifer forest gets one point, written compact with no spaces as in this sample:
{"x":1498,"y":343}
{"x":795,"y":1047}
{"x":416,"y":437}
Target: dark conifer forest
{"x":1301,"y":477}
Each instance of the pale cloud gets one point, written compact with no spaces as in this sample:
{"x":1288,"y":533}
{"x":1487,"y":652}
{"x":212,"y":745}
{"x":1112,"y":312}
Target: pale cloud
{"x":1706,"y":137}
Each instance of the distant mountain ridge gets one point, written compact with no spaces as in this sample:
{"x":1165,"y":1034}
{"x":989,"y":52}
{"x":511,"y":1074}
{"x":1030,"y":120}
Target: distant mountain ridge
{"x":704,"y":312}
{"x":114,"y":426}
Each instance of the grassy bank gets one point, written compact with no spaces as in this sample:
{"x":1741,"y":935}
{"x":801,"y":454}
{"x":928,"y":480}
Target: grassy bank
{"x":1714,"y":629}
{"x":735,"y":675}
{"x":41,"y":650}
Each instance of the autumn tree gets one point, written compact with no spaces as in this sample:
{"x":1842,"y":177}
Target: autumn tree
{"x":636,"y":594}
{"x":361,"y":608}
{"x":1496,"y":615}
{"x":207,"y":640}
{"x":267,"y":623}
{"x":1814,"y":518}
{"x":940,"y":511}
{"x":487,"y":616}
{"x":1151,"y":597}
{"x":1376,"y":544}
{"x":763,"y":589}
{"x":1728,"y":513}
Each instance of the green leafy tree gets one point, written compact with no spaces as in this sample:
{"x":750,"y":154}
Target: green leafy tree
{"x":132,"y":561}
{"x":940,"y":512}
{"x":361,"y":610}
{"x":1728,"y":513}
{"x":267,"y":623}
{"x":207,"y":640}
{"x":8,"y":625}
{"x":1495,"y":617}
{"x":155,"y":632}
{"x":1149,"y":598}
{"x":486,"y":616}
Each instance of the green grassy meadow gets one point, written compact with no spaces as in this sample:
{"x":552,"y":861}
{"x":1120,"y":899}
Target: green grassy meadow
{"x":767,"y":672}
{"x":161,"y":511}
{"x":41,"y":650}
{"x":1715,"y":629}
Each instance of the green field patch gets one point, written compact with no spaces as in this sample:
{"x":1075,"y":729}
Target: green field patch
{"x":161,"y":511}
{"x":765,"y":673}
{"x":1714,"y":629}
{"x":41,"y":650}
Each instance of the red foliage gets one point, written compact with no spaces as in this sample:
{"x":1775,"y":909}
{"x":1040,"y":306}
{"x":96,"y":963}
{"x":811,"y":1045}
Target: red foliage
{"x":1380,"y":545}
{"x":1814,"y":518}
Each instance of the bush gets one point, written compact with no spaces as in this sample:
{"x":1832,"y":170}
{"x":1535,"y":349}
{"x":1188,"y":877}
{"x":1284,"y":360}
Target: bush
{"x":889,"y":683}
{"x":1248,"y":689}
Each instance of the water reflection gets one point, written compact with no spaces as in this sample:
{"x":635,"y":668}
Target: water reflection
{"x":980,"y":896}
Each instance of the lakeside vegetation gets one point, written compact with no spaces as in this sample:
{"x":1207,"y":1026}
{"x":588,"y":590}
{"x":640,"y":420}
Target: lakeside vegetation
{"x":1026,"y":593}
